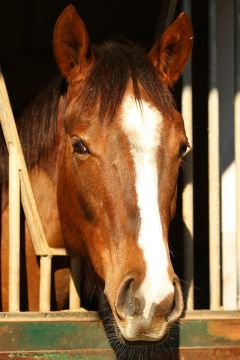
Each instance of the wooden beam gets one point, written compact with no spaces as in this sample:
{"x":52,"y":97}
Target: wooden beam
{"x":29,"y":205}
{"x":213,"y":162}
{"x":237,"y":140}
{"x":187,"y":196}
{"x":78,"y":332}
{"x":45,"y":283}
{"x":74,"y":286}
{"x":14,"y":231}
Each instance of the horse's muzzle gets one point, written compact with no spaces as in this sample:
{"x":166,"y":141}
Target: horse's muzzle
{"x":135,"y":327}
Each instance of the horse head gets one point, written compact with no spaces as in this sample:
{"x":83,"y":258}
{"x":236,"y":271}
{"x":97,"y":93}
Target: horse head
{"x":123,"y":142}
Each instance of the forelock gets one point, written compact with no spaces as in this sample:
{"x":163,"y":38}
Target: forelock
{"x":115,"y":66}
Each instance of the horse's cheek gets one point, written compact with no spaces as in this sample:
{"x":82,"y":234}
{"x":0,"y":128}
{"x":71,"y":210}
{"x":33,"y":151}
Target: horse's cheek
{"x":67,"y":211}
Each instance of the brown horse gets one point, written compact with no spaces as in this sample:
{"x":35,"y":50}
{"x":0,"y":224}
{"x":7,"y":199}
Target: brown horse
{"x":104,"y":145}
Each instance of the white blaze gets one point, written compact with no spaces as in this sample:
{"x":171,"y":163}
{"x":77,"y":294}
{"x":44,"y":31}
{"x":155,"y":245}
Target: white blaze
{"x":143,"y":128}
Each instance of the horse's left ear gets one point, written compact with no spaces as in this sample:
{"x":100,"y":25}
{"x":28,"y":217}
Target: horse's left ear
{"x":170,"y":54}
{"x":70,"y":41}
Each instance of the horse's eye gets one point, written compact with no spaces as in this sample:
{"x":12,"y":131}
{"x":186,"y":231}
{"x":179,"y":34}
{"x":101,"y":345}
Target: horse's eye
{"x":183,"y":148}
{"x":79,"y":147}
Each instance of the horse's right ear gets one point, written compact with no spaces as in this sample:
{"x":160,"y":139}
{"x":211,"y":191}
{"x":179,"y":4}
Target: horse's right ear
{"x":170,"y":54}
{"x":70,"y":41}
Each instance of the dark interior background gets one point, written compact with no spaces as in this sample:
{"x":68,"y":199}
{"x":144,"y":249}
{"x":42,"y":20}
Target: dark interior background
{"x":28,"y":65}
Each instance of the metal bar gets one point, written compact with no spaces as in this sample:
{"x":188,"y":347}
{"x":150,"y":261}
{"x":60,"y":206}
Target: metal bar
{"x":14,"y":231}
{"x":213,"y":162}
{"x":187,"y":196}
{"x":237,"y":140}
{"x":45,"y":283}
{"x":74,"y":286}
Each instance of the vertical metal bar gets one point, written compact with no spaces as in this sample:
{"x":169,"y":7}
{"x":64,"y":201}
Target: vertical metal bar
{"x":74,"y":286}
{"x":187,"y":197}
{"x":45,"y":283}
{"x":14,"y":231}
{"x":213,"y":162}
{"x":237,"y":137}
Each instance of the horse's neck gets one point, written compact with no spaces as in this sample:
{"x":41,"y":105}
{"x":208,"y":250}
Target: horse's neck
{"x":44,"y":179}
{"x":45,"y":193}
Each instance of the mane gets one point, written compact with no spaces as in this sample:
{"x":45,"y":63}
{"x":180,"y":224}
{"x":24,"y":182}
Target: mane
{"x":37,"y":128}
{"x":116,"y":64}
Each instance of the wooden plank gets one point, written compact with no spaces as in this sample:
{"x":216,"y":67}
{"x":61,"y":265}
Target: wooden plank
{"x":227,"y":163}
{"x":43,"y":336}
{"x":187,"y":196}
{"x":82,"y":334}
{"x":83,"y":315}
{"x":66,"y":355}
{"x":45,"y":283}
{"x":74,"y":286}
{"x":236,"y":134}
{"x":213,"y":162}
{"x":209,"y":354}
{"x":211,"y":315}
{"x":52,"y":316}
{"x":181,"y":354}
{"x":29,"y":205}
{"x":14,"y":231}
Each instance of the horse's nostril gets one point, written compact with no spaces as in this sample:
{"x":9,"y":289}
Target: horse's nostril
{"x":178,"y":302}
{"x":125,"y":305}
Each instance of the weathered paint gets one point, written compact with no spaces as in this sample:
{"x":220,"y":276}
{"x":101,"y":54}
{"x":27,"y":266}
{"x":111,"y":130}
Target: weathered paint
{"x":182,"y":354}
{"x":202,"y":333}
{"x":230,"y":330}
{"x":31,"y":336}
{"x":84,"y":355}
{"x":81,"y":336}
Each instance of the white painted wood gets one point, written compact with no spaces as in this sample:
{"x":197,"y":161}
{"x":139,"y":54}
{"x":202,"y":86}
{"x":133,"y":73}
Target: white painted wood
{"x":227,"y":161}
{"x":14,"y":232}
{"x":74,"y":286}
{"x":45,"y":283}
{"x":237,"y":137}
{"x":213,"y":161}
{"x":187,"y":196}
{"x":17,"y":168}
{"x":229,"y":263}
{"x":29,"y":205}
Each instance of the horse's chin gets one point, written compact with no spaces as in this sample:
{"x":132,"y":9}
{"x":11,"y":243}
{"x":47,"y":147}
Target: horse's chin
{"x":125,"y":349}
{"x":140,"y":343}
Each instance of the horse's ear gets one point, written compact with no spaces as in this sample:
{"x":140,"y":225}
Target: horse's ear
{"x":170,"y":54}
{"x":70,"y":41}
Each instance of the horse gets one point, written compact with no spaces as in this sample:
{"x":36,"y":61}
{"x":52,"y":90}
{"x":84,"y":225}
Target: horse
{"x":103,"y":144}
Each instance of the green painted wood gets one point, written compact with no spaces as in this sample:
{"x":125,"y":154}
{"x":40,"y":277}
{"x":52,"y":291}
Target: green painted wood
{"x":84,"y":355}
{"x":81,"y":335}
{"x":31,"y":336}
{"x":210,"y":333}
{"x":181,"y":354}
{"x":59,"y":335}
